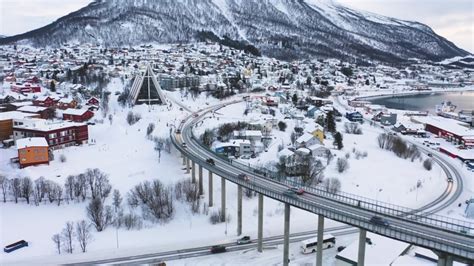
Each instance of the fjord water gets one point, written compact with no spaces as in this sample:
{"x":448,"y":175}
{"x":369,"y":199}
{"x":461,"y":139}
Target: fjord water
{"x":428,"y":102}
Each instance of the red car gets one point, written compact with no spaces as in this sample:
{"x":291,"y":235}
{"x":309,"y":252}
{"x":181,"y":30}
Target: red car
{"x":297,"y":190}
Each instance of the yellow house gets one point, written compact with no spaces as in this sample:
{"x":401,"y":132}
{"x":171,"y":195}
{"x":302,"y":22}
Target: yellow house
{"x":318,"y":132}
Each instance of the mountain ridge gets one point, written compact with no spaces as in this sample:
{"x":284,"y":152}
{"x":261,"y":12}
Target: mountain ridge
{"x":285,"y":29}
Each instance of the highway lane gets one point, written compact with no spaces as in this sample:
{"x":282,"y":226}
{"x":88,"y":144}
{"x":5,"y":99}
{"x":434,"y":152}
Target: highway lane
{"x":398,"y":225}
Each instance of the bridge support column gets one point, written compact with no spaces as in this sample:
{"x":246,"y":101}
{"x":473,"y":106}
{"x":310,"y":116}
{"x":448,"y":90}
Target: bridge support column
{"x":239,"y":210}
{"x":210,"y":189}
{"x":449,"y":260}
{"x":319,"y":248}
{"x":223,"y":198}
{"x":184,"y":159}
{"x":193,"y":171}
{"x":441,"y":259}
{"x":361,"y":256}
{"x":187,"y":165}
{"x":260,"y":223}
{"x":286,"y":236}
{"x":201,"y":189}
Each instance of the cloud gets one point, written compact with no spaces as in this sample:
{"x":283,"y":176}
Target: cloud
{"x":451,"y":19}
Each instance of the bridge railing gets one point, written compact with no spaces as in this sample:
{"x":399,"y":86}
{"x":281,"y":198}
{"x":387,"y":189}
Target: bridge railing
{"x":380,"y":207}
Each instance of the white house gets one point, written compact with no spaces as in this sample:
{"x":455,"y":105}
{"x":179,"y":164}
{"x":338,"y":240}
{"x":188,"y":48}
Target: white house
{"x":306,"y":140}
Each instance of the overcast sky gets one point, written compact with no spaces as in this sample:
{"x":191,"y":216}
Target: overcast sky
{"x":453,"y":19}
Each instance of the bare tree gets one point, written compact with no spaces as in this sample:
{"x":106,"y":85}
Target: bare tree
{"x":155,"y":199}
{"x":57,"y":242}
{"x":4,"y":182}
{"x":98,"y":183}
{"x":99,"y":215}
{"x":68,"y":236}
{"x":428,"y":164}
{"x":40,"y":189}
{"x":150,"y":129}
{"x":69,"y":187}
{"x":332,"y":185}
{"x":83,"y":234}
{"x":16,"y":188}
{"x":342,"y":164}
{"x":117,"y":199}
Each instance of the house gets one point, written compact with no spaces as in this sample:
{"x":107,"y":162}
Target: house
{"x":93,"y":101}
{"x":6,"y":123}
{"x":43,"y":112}
{"x":45,"y":101}
{"x":358,"y":103}
{"x":311,"y":111}
{"x":58,"y":134}
{"x":451,"y":130}
{"x":77,"y":115}
{"x":469,"y":211}
{"x":354,"y":117}
{"x":388,"y":119}
{"x":66,"y":103}
{"x":379,"y":250}
{"x":251,"y":135}
{"x":318,"y":150}
{"x":25,"y":88}
{"x":235,"y":147}
{"x":317,"y":131}
{"x":6,"y":99}
{"x":32,"y":151}
{"x":307,"y":140}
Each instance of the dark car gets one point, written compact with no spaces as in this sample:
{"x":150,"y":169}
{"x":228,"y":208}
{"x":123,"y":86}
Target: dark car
{"x":178,"y":131}
{"x":210,"y":161}
{"x":297,"y":190}
{"x":377,"y":220}
{"x":244,"y":240}
{"x":244,"y":177}
{"x":430,"y":155}
{"x":184,"y":145}
{"x":289,"y":193}
{"x":218,"y":249}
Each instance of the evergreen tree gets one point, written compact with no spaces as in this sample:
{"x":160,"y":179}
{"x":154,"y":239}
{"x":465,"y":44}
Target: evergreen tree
{"x":52,"y":86}
{"x":330,"y":123}
{"x":294,"y":99}
{"x":338,"y":140}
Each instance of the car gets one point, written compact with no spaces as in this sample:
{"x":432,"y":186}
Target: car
{"x":195,"y":115}
{"x":243,"y":177}
{"x":244,"y":240}
{"x":289,"y":193}
{"x":184,"y":145}
{"x":297,"y":190}
{"x":178,"y":131}
{"x":218,"y":249}
{"x":210,"y":161}
{"x":430,"y":155}
{"x":450,"y":180}
{"x":253,"y":156}
{"x":377,"y":220}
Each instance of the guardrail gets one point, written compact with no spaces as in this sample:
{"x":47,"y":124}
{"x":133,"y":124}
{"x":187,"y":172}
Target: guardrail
{"x":379,"y":207}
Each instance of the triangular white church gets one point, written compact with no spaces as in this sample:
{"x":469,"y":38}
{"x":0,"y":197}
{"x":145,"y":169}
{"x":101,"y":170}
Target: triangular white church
{"x":146,"y":89}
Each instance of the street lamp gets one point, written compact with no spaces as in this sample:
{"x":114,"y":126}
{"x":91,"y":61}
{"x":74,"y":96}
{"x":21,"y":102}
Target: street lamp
{"x":377,"y":198}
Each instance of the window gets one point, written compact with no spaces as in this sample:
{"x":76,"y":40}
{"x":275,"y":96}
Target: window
{"x":52,"y":135}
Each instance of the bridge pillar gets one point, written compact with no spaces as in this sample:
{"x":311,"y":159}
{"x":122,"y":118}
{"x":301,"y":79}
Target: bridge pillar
{"x":184,"y":158}
{"x":286,"y":236}
{"x":319,"y":248}
{"x":361,"y":256}
{"x":193,"y":171}
{"x":239,"y":210}
{"x":187,"y":165}
{"x":223,"y":198}
{"x":442,"y":259}
{"x":210,"y":189}
{"x":201,"y":189}
{"x":260,"y":223}
{"x":449,"y":260}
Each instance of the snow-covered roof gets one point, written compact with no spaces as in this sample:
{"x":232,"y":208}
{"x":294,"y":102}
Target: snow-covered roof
{"x":66,"y":100}
{"x":72,"y":111}
{"x":14,"y":115}
{"x":45,"y":125}
{"x":285,"y":152}
{"x":381,"y":251}
{"x":305,"y":138}
{"x":32,"y":109}
{"x":31,"y":142}
{"x":447,"y":124}
{"x":303,"y":151}
{"x":248,"y":133}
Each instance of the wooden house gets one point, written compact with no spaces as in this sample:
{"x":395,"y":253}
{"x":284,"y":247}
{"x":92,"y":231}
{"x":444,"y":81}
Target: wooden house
{"x":32,"y":151}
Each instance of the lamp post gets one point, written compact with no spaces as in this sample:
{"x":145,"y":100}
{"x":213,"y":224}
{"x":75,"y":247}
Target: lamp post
{"x":377,"y":198}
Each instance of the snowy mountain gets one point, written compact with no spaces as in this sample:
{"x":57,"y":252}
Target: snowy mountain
{"x":285,"y":29}
{"x":459,"y":62}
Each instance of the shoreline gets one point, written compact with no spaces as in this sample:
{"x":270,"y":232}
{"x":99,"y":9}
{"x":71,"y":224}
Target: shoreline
{"x":410,"y":93}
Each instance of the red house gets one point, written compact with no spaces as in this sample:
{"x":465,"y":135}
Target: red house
{"x":57,"y":134}
{"x":33,"y":79}
{"x":25,"y":88}
{"x":93,"y":101}
{"x":77,"y":115}
{"x":45,"y":101}
{"x":66,"y":103}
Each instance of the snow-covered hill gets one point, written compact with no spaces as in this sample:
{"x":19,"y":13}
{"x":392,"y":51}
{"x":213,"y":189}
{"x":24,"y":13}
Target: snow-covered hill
{"x":284,"y":29}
